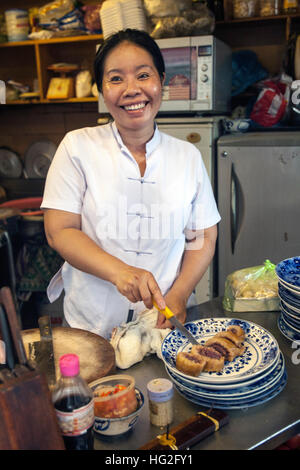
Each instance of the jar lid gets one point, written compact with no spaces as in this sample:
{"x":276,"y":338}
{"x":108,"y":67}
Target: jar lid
{"x":69,"y":365}
{"x":160,"y":390}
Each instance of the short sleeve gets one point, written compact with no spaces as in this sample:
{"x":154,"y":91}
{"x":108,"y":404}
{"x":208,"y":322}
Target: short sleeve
{"x":204,"y":212}
{"x":65,"y":183}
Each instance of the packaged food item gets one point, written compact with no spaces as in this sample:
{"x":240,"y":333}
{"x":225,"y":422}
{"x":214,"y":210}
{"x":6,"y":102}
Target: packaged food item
{"x":83,"y":84}
{"x":252,"y":289}
{"x":290,"y":6}
{"x":115,"y":396}
{"x":269,"y":8}
{"x":244,"y":8}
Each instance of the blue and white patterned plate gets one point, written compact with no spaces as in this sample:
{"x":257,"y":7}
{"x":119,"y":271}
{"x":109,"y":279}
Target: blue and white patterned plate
{"x":291,"y":307}
{"x":288,"y":311}
{"x":287,"y":296}
{"x":287,"y":330}
{"x":190,"y":382}
{"x":261,"y":350}
{"x":292,"y":290}
{"x":288,"y":270}
{"x":239,"y":393}
{"x":234,"y":405}
{"x":291,"y":321}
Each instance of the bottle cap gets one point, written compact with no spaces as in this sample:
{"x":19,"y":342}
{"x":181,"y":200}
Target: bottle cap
{"x":160,"y":390}
{"x":69,"y":365}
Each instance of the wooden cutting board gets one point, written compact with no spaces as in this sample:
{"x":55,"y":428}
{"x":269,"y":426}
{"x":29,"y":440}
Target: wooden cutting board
{"x":96,"y":354}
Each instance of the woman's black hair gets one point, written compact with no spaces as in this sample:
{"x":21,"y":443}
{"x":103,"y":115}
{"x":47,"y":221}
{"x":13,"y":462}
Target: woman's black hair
{"x":140,"y":38}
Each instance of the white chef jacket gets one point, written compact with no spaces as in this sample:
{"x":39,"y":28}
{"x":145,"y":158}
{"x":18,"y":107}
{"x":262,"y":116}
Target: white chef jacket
{"x":140,"y":220}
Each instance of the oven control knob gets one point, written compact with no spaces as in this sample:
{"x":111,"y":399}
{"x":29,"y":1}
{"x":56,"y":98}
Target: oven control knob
{"x":204,"y":67}
{"x":204,"y":78}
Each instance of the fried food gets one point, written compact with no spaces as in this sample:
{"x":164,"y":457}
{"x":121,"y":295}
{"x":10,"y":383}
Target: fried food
{"x":210,"y":357}
{"x":190,"y":363}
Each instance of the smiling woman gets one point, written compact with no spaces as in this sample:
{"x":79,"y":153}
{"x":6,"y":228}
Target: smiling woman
{"x":132,"y":91}
{"x":130,"y":72}
{"x":129,"y":208}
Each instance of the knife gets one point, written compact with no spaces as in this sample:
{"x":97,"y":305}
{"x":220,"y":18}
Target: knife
{"x":41,"y":352}
{"x":172,"y":318}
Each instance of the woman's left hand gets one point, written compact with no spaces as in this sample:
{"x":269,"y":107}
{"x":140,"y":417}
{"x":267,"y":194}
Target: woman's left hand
{"x":177,"y":304}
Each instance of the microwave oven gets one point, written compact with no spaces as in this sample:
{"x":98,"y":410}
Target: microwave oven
{"x":198,"y":76}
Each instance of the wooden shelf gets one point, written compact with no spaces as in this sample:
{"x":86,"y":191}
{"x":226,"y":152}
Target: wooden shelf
{"x":258,"y":18}
{"x":88,"y":99}
{"x":38,"y":54}
{"x":55,"y":40}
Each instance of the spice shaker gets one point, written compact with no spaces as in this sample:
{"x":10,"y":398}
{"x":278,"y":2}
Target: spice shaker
{"x":160,"y":394}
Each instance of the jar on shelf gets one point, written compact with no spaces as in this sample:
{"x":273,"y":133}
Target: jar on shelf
{"x":290,"y":6}
{"x":244,"y":8}
{"x":269,"y":8}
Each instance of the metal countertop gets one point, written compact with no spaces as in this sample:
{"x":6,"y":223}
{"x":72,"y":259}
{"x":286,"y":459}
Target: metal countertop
{"x":263,"y":427}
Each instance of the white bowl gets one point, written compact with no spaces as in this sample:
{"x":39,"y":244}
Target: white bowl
{"x":119,"y":426}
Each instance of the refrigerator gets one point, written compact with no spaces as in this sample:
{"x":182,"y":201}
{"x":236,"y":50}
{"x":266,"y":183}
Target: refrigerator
{"x":258,"y":194}
{"x":203,"y":132}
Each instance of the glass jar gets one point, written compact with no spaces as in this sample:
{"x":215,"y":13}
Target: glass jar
{"x":269,"y":7}
{"x":244,"y":8}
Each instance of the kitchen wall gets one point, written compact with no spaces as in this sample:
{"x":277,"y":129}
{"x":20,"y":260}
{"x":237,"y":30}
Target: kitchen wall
{"x":20,"y":125}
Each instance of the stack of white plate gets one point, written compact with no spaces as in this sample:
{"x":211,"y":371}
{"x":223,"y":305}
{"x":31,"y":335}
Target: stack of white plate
{"x":249,"y":380}
{"x":288,"y":273}
{"x":117,"y":15}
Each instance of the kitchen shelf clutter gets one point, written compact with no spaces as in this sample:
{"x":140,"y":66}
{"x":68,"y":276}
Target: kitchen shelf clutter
{"x":28,"y":61}
{"x":286,"y":20}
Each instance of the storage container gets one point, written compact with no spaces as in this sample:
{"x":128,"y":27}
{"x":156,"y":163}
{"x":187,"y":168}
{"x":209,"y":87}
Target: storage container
{"x":244,"y":8}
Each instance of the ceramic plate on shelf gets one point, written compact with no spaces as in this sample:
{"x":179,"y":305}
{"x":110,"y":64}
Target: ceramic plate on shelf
{"x":261,"y":350}
{"x":38,"y":158}
{"x":288,"y":270}
{"x":10,"y":164}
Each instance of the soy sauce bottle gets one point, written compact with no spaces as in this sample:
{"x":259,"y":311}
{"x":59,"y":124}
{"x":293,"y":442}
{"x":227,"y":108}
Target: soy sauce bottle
{"x":74,"y":405}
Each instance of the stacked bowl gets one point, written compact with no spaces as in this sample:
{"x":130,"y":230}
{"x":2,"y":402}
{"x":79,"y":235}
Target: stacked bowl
{"x":288,"y":273}
{"x":253,"y":378}
{"x":116,"y":15}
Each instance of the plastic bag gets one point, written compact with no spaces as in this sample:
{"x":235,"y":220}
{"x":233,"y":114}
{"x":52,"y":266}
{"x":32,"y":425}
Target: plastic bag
{"x":164,"y":8}
{"x":61,"y":16}
{"x":51,"y":12}
{"x":271,"y":104}
{"x":252,"y":289}
{"x":246,"y":70}
{"x":83,"y":84}
{"x":92,"y":17}
{"x":191,"y":21}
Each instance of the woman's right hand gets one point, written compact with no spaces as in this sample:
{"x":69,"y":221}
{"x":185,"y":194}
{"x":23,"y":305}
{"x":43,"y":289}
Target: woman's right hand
{"x":138,"y":284}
